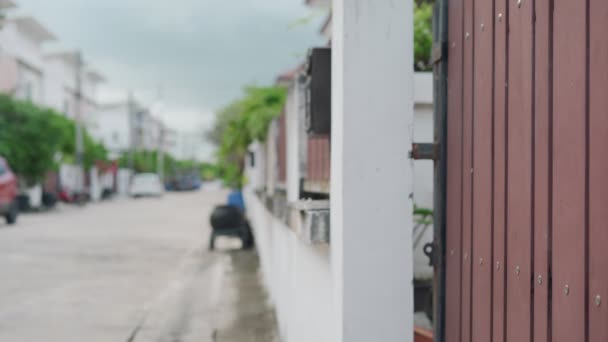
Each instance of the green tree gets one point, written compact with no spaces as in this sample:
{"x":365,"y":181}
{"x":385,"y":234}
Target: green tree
{"x":32,"y":138}
{"x":29,"y":138}
{"x":250,"y":118}
{"x":423,"y":35}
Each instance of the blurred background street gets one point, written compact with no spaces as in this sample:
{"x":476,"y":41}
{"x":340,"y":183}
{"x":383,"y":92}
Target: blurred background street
{"x":129,"y":270}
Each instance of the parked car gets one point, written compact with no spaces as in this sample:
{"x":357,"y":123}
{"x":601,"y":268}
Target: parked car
{"x":145,"y":185}
{"x":8,"y":193}
{"x":184,"y":182}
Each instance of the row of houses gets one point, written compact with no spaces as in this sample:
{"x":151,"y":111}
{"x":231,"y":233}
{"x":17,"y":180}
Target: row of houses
{"x":54,"y":79}
{"x":33,"y":69}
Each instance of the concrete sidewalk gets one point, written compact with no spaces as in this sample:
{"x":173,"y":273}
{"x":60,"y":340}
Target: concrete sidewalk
{"x":217,"y":297}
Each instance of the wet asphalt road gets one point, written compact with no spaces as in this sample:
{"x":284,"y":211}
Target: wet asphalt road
{"x":129,"y":270}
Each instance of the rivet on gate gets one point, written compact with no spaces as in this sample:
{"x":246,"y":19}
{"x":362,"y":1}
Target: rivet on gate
{"x":453,"y":44}
{"x":480,"y":261}
{"x":598,"y":300}
{"x":483,"y":27}
{"x":518,"y":3}
{"x":517,"y":270}
{"x":540,"y":279}
{"x":566,"y":290}
{"x":499,"y":17}
{"x":451,"y":252}
{"x":498,"y":265}
{"x":467,"y":35}
{"x":466,"y":256}
{"x":471,"y":170}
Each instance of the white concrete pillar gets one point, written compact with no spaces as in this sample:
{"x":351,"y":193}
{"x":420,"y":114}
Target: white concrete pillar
{"x":293,"y":118}
{"x":371,"y":176}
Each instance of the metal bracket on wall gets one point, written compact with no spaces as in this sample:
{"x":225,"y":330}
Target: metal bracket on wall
{"x":439,"y":52}
{"x":424,"y":151}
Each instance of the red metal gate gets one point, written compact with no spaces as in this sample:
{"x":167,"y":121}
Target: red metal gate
{"x":527,"y":171}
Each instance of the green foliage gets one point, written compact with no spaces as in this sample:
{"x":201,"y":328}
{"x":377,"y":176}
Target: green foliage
{"x":29,"y":138}
{"x":209,"y":171}
{"x":423,"y":216}
{"x":93,"y":152}
{"x":243,"y":122}
{"x":423,"y":35}
{"x":222,"y":120}
{"x":32,"y":138}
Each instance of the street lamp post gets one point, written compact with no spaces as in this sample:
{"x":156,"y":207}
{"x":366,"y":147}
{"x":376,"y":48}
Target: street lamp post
{"x":79,"y":122}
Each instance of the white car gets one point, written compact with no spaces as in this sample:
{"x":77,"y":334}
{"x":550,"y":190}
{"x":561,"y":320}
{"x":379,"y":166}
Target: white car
{"x":146,"y":184}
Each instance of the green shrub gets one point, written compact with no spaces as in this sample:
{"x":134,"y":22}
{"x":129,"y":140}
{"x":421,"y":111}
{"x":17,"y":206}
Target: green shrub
{"x":423,"y":36}
{"x":35,"y":139}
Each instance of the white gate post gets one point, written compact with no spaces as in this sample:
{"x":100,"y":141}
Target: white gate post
{"x":371,"y":175}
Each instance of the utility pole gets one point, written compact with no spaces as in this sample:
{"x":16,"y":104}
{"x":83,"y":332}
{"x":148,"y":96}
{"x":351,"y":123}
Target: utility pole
{"x":131,"y":110}
{"x":79,"y":119}
{"x":160,"y":158}
{"x":161,"y":154}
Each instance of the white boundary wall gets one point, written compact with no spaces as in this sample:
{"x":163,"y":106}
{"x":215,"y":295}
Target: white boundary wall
{"x":359,"y":287}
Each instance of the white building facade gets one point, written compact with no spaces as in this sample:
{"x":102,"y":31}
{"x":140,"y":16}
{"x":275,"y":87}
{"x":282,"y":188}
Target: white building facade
{"x":22,"y":59}
{"x":61,"y":85}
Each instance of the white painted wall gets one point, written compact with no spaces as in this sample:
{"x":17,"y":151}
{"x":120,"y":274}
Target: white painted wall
{"x":71,"y":177}
{"x":298,"y":277}
{"x":23,"y":59}
{"x":95,"y":188}
{"x":255,"y":173}
{"x":124,"y":179}
{"x":60,"y":87}
{"x":112,"y":128}
{"x":57,"y":76}
{"x":359,"y":288}
{"x":423,"y":169}
{"x":306,"y":270}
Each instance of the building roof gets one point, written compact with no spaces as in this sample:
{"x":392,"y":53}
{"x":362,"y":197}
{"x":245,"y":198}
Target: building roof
{"x":34,"y":29}
{"x":5,"y":4}
{"x":69,"y":57}
{"x":318,"y":3}
{"x":286,"y":77}
{"x":95,"y":76}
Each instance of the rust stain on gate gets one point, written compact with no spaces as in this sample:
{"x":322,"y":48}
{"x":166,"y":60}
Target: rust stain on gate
{"x":527,"y":171}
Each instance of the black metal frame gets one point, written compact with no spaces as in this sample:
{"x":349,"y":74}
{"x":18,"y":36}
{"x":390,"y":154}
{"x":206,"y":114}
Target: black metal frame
{"x":440,"y":72}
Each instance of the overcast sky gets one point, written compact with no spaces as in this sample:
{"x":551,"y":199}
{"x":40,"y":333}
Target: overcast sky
{"x":199,"y":52}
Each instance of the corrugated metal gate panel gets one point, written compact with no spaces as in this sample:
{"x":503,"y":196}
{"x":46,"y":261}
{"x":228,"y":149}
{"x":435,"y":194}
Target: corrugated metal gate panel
{"x":527,"y":185}
{"x":598,"y":171}
{"x":454,"y":174}
{"x":520,"y":117}
{"x":542,"y":107}
{"x":482,"y":173}
{"x":500,"y":168}
{"x":569,"y":61}
{"x":467,"y":167}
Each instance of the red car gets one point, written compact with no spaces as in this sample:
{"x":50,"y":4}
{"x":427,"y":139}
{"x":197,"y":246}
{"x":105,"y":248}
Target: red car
{"x":8,"y":193}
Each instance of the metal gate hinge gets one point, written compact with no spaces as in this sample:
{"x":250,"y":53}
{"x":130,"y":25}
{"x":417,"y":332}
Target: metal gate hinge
{"x":425,"y":151}
{"x":439,"y":52}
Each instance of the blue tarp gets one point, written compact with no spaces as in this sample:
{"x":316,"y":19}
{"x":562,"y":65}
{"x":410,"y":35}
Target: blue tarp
{"x":235,"y":198}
